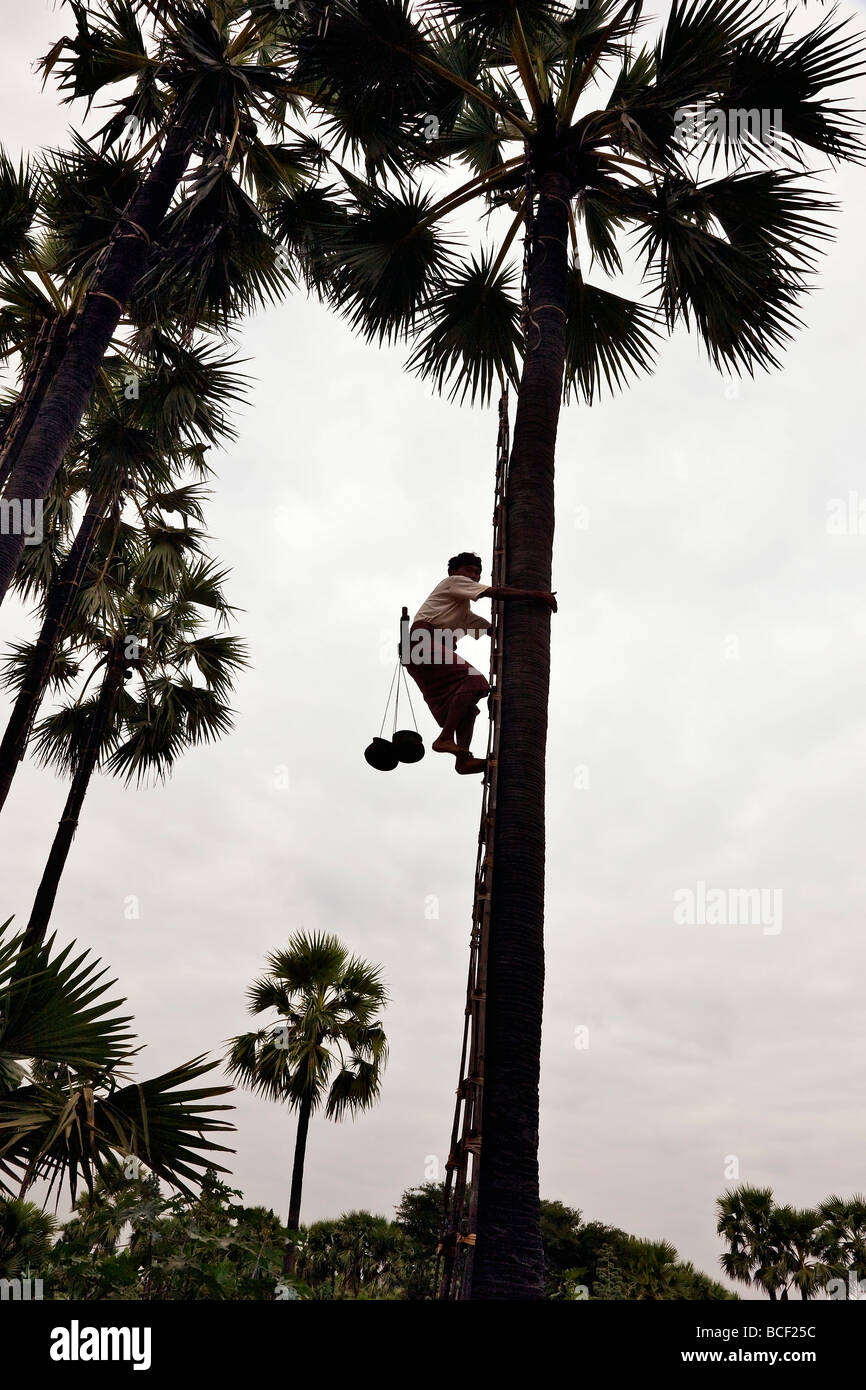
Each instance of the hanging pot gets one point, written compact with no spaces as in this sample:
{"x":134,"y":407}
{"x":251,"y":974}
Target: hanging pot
{"x":409,"y":745}
{"x":382,"y":755}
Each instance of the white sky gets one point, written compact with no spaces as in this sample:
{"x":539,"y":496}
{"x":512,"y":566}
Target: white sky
{"x":349,"y":487}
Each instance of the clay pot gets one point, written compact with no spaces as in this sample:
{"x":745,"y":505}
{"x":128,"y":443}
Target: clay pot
{"x":382,"y":755}
{"x":409,"y":746}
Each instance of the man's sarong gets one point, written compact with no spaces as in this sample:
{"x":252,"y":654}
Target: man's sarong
{"x":445,"y":679}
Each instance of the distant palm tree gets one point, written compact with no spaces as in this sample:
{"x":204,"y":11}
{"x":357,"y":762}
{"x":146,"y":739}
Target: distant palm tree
{"x":327,"y":1046}
{"x":801,"y":1261}
{"x":844,"y":1235}
{"x":653,"y":1271}
{"x":69,"y":1112}
{"x":140,"y":457}
{"x":156,"y":643}
{"x":25,"y":1237}
{"x":608,"y":154}
{"x":746,"y":1218}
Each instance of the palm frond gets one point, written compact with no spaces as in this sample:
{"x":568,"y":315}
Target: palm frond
{"x":214,"y":260}
{"x":164,"y":1122}
{"x":217,"y":659}
{"x":365,"y":68}
{"x":789,"y":75}
{"x":385,"y":261}
{"x":61,"y":738}
{"x":470,"y":331}
{"x":742,"y":302}
{"x":96,"y":55}
{"x":493,"y":21}
{"x":601,"y":220}
{"x":63,"y":671}
{"x":607,"y":338}
{"x":19,"y":201}
{"x":75,"y":1132}
{"x":694,"y":54}
{"x":53,"y":1008}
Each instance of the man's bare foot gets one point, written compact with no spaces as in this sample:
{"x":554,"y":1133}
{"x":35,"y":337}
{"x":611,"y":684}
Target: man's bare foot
{"x":466,"y":764}
{"x":445,"y":745}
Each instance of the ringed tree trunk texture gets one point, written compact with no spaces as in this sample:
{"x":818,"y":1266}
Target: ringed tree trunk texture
{"x":297,"y":1181}
{"x":509,"y":1261}
{"x":90,"y":336}
{"x":25,"y":709}
{"x":43,"y":904}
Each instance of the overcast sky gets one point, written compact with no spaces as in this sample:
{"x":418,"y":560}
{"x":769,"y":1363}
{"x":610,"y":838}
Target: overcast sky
{"x":707,"y":725}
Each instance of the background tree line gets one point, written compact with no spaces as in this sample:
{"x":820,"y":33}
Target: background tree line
{"x":128,"y":1240}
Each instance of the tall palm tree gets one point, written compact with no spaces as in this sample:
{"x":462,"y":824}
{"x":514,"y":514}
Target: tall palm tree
{"x":327,"y":1047}
{"x":133,"y":454}
{"x":200,"y":76}
{"x":65,"y":1050}
{"x":33,"y":319}
{"x":149,"y":707}
{"x":576,"y":133}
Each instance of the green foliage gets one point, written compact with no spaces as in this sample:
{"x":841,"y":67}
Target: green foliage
{"x":582,"y":1259}
{"x":359,"y":1256}
{"x":25,"y":1237}
{"x":129,"y":1241}
{"x":610,"y":1280}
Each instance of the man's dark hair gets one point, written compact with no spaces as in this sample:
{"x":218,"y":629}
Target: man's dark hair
{"x":466,"y":557}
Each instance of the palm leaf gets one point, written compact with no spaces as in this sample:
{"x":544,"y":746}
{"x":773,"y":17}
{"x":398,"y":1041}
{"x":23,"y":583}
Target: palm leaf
{"x":607,"y":338}
{"x":743,"y":302}
{"x":55,"y":1010}
{"x":365,"y":68}
{"x":19,"y":200}
{"x":74,"y":1133}
{"x":384,"y":261}
{"x":772,"y":71}
{"x":492,"y":21}
{"x":60,"y":738}
{"x":601,"y":220}
{"x":470,"y":332}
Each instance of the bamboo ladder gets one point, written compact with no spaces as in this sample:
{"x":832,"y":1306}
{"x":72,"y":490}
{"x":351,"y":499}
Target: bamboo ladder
{"x":457,"y":1243}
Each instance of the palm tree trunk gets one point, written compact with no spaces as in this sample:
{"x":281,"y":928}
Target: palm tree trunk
{"x":48,"y":350}
{"x":508,"y":1261}
{"x":297,"y":1180}
{"x":24,"y":711}
{"x":46,"y":893}
{"x":89,"y":339}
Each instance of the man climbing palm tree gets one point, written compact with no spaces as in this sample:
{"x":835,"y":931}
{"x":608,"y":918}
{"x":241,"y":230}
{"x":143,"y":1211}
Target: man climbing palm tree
{"x":451,"y":687}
